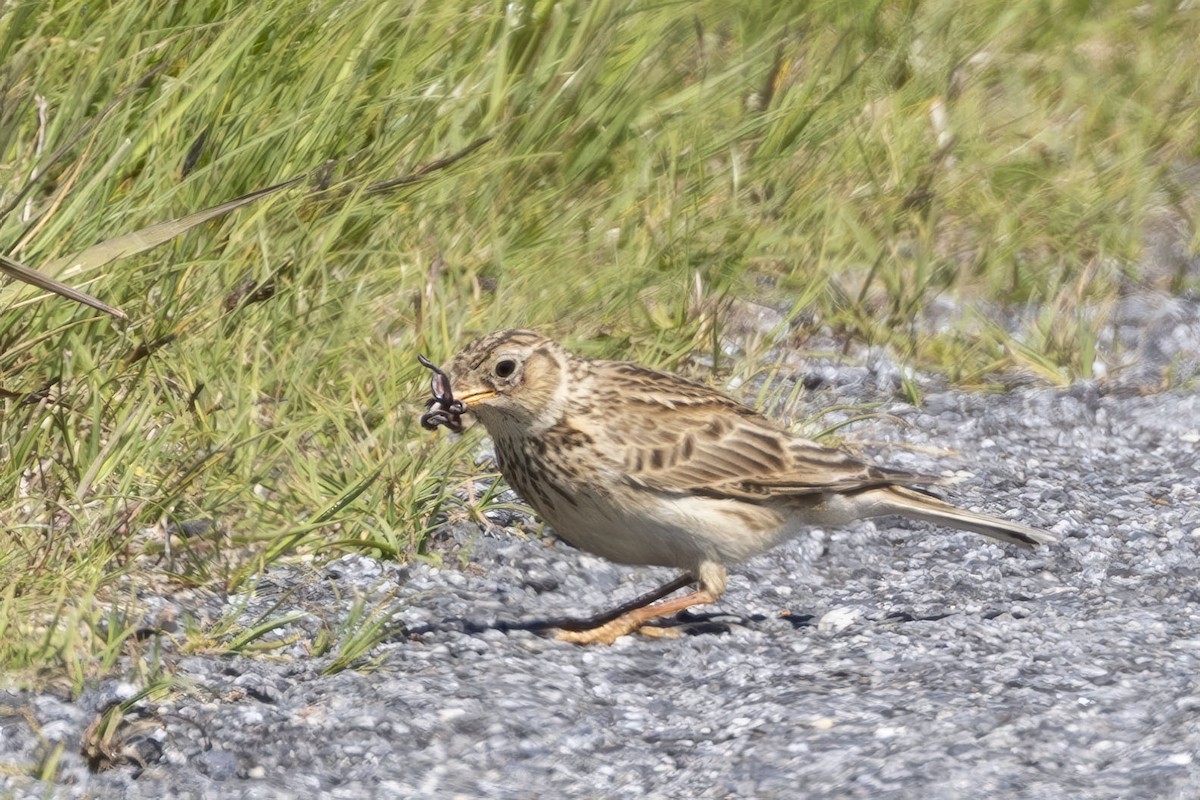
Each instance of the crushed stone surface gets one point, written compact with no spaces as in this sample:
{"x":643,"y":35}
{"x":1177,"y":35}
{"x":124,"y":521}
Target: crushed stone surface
{"x":886,"y":659}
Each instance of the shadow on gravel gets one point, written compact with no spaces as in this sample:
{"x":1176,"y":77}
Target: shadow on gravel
{"x":685,"y":623}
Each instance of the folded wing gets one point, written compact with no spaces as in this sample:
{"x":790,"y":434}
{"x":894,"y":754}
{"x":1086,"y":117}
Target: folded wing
{"x":700,"y":447}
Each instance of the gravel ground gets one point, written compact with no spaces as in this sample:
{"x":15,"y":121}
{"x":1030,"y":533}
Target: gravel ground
{"x":887,"y":659}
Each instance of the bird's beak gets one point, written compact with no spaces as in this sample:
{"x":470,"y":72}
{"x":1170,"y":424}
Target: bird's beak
{"x":473,"y":397}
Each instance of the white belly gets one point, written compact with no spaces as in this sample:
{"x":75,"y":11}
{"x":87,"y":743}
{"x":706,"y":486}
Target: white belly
{"x":677,"y":532}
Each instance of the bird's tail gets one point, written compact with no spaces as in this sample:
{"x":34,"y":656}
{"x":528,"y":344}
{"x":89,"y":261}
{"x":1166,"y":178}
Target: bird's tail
{"x":919,"y":505}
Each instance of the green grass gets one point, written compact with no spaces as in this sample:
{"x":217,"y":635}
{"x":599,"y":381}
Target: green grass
{"x":846,"y":163}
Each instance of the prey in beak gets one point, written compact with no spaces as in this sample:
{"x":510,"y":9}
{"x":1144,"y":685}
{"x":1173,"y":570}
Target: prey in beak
{"x":443,"y":409}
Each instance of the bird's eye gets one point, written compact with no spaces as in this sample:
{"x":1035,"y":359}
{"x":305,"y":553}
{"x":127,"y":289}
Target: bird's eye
{"x":505,"y":368}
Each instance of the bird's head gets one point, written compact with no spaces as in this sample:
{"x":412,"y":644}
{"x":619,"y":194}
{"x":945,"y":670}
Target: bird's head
{"x":511,"y":380}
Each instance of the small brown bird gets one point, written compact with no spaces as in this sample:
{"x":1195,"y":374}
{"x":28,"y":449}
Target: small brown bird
{"x":645,"y":467}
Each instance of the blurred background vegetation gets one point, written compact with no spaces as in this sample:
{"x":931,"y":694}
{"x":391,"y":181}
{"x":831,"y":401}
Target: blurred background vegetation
{"x":970,"y":185}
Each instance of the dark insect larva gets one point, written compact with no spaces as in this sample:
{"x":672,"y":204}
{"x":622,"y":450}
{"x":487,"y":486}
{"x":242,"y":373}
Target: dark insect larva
{"x":443,"y":408}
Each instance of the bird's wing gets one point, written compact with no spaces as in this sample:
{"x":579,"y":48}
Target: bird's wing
{"x":682,"y":437}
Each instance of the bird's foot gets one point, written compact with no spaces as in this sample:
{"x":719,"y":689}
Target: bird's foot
{"x":636,"y":620}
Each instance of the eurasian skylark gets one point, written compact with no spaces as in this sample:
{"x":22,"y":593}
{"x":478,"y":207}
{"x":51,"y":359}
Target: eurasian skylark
{"x":645,"y":467}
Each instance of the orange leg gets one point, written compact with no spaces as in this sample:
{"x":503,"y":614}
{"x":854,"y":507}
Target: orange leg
{"x":627,"y":623}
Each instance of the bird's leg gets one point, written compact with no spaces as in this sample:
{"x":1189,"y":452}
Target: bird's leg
{"x":712,"y":579}
{"x":605,"y":617}
{"x":610,"y":631}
